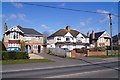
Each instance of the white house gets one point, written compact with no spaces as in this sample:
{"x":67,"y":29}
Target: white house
{"x":67,"y":38}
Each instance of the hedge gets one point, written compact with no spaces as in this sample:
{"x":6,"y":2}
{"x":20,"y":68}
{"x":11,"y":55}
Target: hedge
{"x":114,"y":47}
{"x":14,"y":55}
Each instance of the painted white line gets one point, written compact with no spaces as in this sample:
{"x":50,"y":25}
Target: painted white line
{"x":49,"y":67}
{"x":75,"y":74}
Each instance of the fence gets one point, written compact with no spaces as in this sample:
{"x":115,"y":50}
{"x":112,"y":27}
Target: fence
{"x":113,"y":52}
{"x":59,"y":52}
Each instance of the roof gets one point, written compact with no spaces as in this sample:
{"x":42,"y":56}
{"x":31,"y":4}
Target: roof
{"x":29,"y":31}
{"x":97,"y":35}
{"x":62,"y":32}
{"x":116,"y":37}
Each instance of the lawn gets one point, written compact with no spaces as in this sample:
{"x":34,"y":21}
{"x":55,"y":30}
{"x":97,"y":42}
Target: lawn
{"x":103,"y":56}
{"x":24,"y":61}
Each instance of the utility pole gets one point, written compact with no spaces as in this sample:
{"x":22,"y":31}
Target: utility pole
{"x":111,"y":44}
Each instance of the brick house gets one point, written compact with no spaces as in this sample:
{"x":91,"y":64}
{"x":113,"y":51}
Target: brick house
{"x":15,"y":35}
{"x":99,"y":39}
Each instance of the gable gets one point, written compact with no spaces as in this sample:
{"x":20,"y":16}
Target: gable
{"x":68,"y":34}
{"x":14,"y":28}
{"x":79,"y":35}
{"x":104,"y":35}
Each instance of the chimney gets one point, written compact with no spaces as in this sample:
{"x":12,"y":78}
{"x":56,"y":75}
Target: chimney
{"x":5,"y":27}
{"x":88,"y":34}
{"x":93,"y":35}
{"x":68,"y":28}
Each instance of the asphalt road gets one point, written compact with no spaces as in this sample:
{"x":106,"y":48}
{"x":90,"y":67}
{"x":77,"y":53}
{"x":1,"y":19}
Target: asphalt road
{"x":101,"y":70}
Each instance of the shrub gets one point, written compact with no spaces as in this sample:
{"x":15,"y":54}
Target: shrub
{"x":98,"y":49}
{"x":14,"y":55}
{"x":2,"y":46}
{"x":79,"y":50}
{"x":114,"y":47}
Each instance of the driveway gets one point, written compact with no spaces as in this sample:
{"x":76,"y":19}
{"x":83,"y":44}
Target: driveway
{"x":62,"y":60}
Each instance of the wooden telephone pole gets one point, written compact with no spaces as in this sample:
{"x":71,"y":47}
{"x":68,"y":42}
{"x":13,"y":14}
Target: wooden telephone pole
{"x":111,"y":44}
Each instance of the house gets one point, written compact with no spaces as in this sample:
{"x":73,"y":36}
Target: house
{"x":67,"y":38}
{"x":99,"y":39}
{"x":116,"y":39}
{"x":15,"y":35}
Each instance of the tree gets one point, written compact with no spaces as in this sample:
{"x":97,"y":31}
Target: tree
{"x":45,"y":34}
{"x":22,"y":44}
{"x":2,"y":47}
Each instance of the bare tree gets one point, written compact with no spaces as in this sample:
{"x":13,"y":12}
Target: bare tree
{"x":46,"y":34}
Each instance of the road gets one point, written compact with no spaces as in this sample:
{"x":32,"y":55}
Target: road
{"x":101,"y":70}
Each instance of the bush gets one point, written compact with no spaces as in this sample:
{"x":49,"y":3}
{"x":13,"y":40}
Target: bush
{"x":98,"y":49}
{"x":14,"y":55}
{"x":114,"y":47}
{"x":2,"y":46}
{"x":79,"y":50}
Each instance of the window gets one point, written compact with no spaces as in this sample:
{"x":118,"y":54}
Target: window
{"x":13,"y":35}
{"x":37,"y":37}
{"x":101,"y":39}
{"x":58,"y":39}
{"x":35,"y":46}
{"x":67,"y":39}
{"x":106,"y":40}
{"x":82,"y":37}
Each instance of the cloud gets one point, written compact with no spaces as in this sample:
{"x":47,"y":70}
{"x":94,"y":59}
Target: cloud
{"x":48,"y":29}
{"x":85,"y":22}
{"x":82,"y":23}
{"x":13,"y":16}
{"x":104,"y":17}
{"x":23,"y":17}
{"x":2,"y":16}
{"x":19,"y":16}
{"x":44,"y":26}
{"x":62,"y":5}
{"x":103,"y":11}
{"x":17,"y":4}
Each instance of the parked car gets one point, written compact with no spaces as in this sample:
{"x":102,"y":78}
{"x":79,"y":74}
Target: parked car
{"x":13,"y":49}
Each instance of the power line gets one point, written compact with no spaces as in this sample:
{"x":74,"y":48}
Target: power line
{"x":68,"y":9}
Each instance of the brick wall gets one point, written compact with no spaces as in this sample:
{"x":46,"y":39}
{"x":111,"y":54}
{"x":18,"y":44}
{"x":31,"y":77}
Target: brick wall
{"x":89,"y":53}
{"x":96,"y":53}
{"x":77,"y":55}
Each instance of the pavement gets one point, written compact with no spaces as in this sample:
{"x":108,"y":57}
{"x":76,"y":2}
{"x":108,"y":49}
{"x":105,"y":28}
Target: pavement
{"x":60,"y":62}
{"x":35,"y":56}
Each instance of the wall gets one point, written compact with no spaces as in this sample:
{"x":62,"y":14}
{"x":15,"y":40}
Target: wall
{"x":77,"y":55}
{"x":96,"y":53}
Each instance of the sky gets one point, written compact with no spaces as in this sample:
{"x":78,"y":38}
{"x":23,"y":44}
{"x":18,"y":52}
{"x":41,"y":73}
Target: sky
{"x":50,"y":20}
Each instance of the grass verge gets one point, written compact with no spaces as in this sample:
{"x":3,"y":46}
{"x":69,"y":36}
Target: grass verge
{"x":104,"y":56}
{"x":24,"y":61}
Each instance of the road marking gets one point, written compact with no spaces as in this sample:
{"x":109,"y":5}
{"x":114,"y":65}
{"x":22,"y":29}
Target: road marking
{"x":67,"y":75}
{"x":50,"y":67}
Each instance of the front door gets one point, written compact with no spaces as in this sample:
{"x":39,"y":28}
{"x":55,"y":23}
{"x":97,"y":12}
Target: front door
{"x":39,"y":48}
{"x":28,"y":48}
